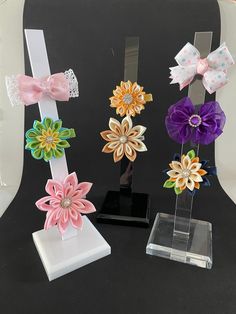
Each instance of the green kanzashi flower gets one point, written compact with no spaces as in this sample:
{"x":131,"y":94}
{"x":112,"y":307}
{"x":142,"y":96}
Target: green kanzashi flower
{"x":47,"y":139}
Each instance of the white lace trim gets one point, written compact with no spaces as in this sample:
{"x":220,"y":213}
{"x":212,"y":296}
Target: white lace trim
{"x":13,"y":90}
{"x":73,"y":83}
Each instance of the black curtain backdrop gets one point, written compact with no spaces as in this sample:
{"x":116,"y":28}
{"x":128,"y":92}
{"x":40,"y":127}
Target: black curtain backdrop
{"x":89,"y":37}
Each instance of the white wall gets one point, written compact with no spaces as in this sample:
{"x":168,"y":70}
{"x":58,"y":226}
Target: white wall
{"x":11,"y":119}
{"x":225,"y":146}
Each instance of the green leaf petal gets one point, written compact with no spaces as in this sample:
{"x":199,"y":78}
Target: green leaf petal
{"x":169,"y":184}
{"x":32,"y":145}
{"x":38,"y":126}
{"x":58,"y":152}
{"x":63,"y":144}
{"x":31,"y":133}
{"x":48,"y":122}
{"x":177,"y":191}
{"x":37,"y":153}
{"x":72,"y":133}
{"x":64,"y":133}
{"x":47,"y":155}
{"x":191,"y":154}
{"x":57,"y":125}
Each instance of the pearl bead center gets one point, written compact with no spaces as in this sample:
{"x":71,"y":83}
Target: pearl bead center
{"x":123,"y":139}
{"x":66,"y":202}
{"x":127,"y":99}
{"x":195,"y":120}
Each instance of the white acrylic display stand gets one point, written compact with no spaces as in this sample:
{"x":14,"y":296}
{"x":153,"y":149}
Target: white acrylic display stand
{"x":77,"y":247}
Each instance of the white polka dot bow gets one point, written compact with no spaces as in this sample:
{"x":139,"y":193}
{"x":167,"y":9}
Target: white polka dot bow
{"x":213,"y":68}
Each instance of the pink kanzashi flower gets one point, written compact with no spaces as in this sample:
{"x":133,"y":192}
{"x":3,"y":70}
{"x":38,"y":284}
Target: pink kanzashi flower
{"x":65,"y":203}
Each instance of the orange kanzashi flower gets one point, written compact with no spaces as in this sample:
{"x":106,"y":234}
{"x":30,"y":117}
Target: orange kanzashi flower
{"x":124,"y":139}
{"x":129,"y":99}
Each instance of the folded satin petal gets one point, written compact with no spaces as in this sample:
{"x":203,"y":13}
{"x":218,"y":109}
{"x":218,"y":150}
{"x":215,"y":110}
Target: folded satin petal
{"x":184,"y":124}
{"x":26,"y":90}
{"x":213,"y":68}
{"x":65,"y":203}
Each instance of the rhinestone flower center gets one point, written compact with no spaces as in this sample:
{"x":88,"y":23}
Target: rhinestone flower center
{"x":49,"y":139}
{"x":127,"y":99}
{"x":186,"y":173}
{"x":123,"y":139}
{"x":66,"y":202}
{"x":195,"y":120}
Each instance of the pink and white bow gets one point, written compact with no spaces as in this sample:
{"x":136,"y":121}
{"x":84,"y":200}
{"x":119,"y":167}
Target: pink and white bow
{"x":26,"y":90}
{"x":213,"y":68}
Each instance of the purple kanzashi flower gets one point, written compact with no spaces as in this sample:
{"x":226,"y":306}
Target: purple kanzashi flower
{"x":184,"y":123}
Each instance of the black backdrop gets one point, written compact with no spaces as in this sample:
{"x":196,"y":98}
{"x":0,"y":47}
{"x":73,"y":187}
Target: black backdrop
{"x":82,"y":35}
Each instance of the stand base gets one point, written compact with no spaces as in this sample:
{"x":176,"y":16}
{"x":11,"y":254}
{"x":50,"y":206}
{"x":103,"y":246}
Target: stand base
{"x":61,"y":257}
{"x":126,"y":209}
{"x":199,"y":251}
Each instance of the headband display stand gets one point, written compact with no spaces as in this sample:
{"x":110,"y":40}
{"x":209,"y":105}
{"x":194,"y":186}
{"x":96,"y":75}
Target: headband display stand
{"x":125,"y":206}
{"x":76,"y":248}
{"x":179,"y":237}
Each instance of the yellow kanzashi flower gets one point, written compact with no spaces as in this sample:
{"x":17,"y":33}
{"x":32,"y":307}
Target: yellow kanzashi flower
{"x":129,"y":99}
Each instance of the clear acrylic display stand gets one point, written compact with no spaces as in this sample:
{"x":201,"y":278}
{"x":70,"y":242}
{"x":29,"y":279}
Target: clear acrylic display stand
{"x":60,"y":255}
{"x":125,"y":206}
{"x":179,"y":237}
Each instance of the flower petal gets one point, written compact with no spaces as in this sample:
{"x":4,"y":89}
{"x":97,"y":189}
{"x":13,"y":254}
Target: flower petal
{"x":110,"y":147}
{"x":173,"y":173}
{"x":37,"y":153}
{"x":130,"y":152}
{"x":176,"y":165}
{"x":137,"y":131}
{"x":76,"y":222}
{"x":52,"y":187}
{"x":137,"y":145}
{"x":196,"y":177}
{"x":56,"y":125}
{"x":126,"y":125}
{"x":190,"y":184}
{"x":186,"y":162}
{"x":42,"y":203}
{"x":109,"y":136}
{"x":115,"y":126}
{"x":84,"y":187}
{"x":87,"y":208}
{"x":180,"y":182}
{"x":195,"y":166}
{"x":72,"y":180}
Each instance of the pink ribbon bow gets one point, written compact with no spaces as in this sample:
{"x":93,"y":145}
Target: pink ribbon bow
{"x":26,"y":90}
{"x":213,"y":68}
{"x":32,"y":89}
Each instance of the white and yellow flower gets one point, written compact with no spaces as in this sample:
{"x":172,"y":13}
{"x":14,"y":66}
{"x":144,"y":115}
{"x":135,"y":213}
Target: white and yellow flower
{"x":124,"y":139}
{"x":186,"y":173}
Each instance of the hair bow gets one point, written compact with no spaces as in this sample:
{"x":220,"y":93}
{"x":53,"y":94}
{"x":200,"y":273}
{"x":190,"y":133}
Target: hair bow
{"x":26,"y":90}
{"x":203,"y":126}
{"x":213,"y":68}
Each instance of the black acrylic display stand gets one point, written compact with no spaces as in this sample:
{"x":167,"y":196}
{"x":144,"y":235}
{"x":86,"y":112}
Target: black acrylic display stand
{"x":126,"y":207}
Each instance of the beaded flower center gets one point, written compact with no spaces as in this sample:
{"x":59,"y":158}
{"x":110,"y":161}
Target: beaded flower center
{"x":66,"y":202}
{"x":49,"y":139}
{"x":186,"y":173}
{"x":123,"y":139}
{"x":195,"y":120}
{"x":127,"y":99}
